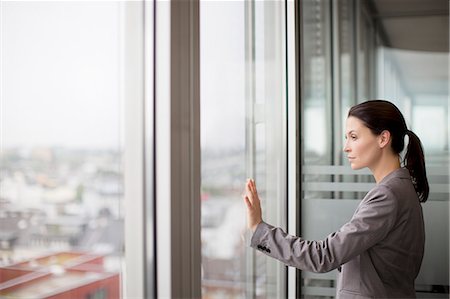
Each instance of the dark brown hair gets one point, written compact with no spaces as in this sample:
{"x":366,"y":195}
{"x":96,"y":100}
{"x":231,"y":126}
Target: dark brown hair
{"x":380,"y":115}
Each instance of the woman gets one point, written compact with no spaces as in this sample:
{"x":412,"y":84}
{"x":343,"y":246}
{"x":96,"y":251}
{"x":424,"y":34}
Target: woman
{"x":378,"y":253}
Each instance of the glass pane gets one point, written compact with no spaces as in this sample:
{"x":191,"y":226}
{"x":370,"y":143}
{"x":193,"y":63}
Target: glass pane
{"x":316,"y":116}
{"x":222,"y":97}
{"x":334,"y":79}
{"x":419,"y":82}
{"x":61,"y":197}
{"x":317,"y":97}
{"x":347,"y":61}
{"x":243,"y":135}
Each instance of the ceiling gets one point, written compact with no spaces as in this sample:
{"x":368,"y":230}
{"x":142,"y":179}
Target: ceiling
{"x":417,"y":33}
{"x":414,"y":24}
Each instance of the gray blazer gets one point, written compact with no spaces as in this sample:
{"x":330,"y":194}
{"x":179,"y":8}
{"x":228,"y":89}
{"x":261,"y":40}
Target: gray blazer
{"x":378,"y":253}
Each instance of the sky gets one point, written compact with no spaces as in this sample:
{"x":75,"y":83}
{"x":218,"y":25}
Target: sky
{"x":222,"y":52}
{"x":60,"y":74}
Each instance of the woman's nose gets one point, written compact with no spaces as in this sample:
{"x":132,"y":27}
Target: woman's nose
{"x":346,"y":148}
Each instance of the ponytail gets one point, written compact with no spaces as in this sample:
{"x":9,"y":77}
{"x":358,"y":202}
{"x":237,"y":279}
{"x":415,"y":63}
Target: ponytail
{"x":380,"y":115}
{"x":415,"y":162}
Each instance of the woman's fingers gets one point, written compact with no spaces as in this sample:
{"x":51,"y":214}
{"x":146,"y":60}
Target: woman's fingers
{"x":251,"y":200}
{"x":247,"y":195}
{"x":247,"y":202}
{"x":253,"y":187}
{"x":251,"y":192}
{"x":248,"y":191}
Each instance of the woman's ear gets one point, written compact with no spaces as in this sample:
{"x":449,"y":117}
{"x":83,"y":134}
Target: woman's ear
{"x":384,"y":138}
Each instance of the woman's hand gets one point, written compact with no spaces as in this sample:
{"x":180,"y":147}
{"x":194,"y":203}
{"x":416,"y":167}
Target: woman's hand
{"x":253,"y":203}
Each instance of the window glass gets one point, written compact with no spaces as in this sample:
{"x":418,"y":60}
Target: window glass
{"x":222,"y":97}
{"x":334,"y":78}
{"x":243,"y":135}
{"x":330,"y":189}
{"x":61,"y":196}
{"x":346,"y":39}
{"x":418,"y":82}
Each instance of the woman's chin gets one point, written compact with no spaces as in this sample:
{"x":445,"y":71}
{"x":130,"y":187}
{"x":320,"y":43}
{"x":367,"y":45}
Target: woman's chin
{"x":355,"y":166}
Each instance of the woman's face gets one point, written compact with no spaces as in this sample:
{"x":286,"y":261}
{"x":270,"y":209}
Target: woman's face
{"x":361,"y":145}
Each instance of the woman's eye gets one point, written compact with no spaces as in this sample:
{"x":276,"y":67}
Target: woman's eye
{"x":353,"y":137}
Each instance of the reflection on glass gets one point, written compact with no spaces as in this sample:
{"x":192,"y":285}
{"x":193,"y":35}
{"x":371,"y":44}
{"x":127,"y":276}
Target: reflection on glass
{"x":243,"y":135}
{"x":335,"y":79}
{"x":346,"y":40}
{"x":61,"y":196}
{"x":317,"y":83}
{"x":419,"y":82}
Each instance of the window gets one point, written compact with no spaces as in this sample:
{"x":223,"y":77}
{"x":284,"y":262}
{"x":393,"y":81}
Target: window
{"x":334,"y":79}
{"x":63,"y":92}
{"x":243,"y":108}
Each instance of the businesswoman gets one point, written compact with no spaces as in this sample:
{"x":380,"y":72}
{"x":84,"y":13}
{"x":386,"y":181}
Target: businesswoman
{"x":378,"y":252}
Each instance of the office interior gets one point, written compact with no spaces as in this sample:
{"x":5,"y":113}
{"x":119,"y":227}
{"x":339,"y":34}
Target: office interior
{"x":129,"y":128}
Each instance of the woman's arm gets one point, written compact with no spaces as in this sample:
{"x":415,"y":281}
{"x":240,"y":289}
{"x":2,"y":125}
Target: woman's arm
{"x":371,"y":223}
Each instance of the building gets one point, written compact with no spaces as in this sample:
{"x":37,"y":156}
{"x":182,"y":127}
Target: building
{"x":153,"y":113}
{"x":60,"y":275}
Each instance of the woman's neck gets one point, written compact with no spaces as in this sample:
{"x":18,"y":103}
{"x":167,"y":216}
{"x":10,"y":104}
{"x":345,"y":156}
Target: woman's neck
{"x":386,"y":167}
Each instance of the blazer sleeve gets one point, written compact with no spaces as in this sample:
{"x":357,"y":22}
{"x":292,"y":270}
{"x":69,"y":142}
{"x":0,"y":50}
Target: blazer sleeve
{"x":375,"y":217}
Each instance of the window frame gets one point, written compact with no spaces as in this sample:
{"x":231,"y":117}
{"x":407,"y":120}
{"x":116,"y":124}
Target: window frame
{"x":177,"y":162}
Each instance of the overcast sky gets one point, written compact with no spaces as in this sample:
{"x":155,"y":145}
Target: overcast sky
{"x":60,"y":74}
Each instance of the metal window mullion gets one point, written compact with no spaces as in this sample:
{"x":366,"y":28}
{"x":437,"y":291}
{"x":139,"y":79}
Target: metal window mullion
{"x":337,"y":82}
{"x":163,"y":149}
{"x":357,"y":38}
{"x":250,"y":273}
{"x":177,"y":124}
{"x":275,"y":132}
{"x":336,"y":127}
{"x":299,"y":84}
{"x":132,"y":93}
{"x":185,"y":150}
{"x":149,"y":151}
{"x":292,"y":134}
